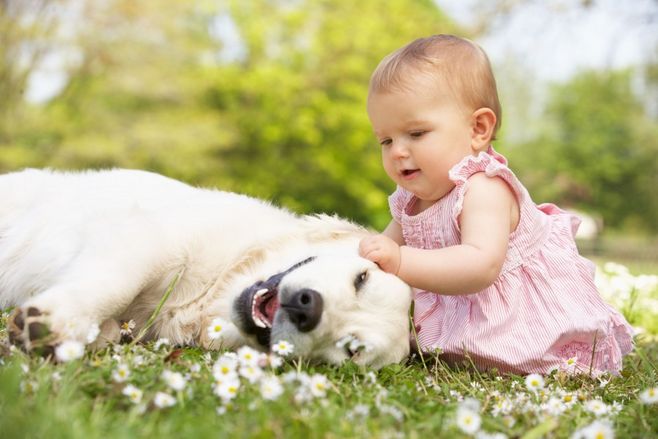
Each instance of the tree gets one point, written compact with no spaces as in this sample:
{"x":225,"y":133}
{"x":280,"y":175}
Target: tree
{"x":26,"y":27}
{"x":598,"y":152}
{"x":296,"y":100}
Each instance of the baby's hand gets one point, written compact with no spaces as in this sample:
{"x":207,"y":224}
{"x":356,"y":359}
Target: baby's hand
{"x":381,"y":250}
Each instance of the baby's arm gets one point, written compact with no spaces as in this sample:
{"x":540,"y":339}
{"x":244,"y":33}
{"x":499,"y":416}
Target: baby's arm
{"x":485,"y":222}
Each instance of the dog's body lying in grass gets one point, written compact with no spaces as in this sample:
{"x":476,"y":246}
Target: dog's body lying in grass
{"x":101,"y":248}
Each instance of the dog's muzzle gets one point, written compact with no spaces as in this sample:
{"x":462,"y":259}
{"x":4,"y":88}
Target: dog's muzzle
{"x":256,"y":307}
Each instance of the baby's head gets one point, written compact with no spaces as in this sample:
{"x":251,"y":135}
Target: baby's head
{"x":447,"y":63}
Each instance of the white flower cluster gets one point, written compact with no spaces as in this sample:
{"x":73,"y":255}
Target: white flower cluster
{"x":540,"y":401}
{"x":231,"y":372}
{"x":623,"y":290}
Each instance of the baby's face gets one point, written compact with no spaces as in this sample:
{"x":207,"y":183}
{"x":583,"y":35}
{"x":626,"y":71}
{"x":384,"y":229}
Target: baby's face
{"x":423,"y":133}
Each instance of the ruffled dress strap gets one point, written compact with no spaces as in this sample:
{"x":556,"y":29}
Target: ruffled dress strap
{"x":398,"y":202}
{"x":492,"y":164}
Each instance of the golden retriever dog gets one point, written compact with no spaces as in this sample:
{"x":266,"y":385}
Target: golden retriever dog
{"x":89,"y":251}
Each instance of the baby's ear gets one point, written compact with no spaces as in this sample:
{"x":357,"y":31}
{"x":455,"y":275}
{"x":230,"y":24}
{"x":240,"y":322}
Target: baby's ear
{"x":483,"y":124}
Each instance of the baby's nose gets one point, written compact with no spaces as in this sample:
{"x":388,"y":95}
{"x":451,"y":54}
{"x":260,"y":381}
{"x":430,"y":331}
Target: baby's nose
{"x":399,"y":149}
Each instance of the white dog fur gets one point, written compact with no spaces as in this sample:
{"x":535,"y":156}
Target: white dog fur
{"x":101,"y":247}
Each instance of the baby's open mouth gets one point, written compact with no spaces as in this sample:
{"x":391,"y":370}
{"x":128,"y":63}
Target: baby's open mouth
{"x":409,"y":172}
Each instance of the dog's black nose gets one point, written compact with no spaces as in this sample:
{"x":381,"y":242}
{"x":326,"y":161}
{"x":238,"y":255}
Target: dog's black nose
{"x":304,"y":308}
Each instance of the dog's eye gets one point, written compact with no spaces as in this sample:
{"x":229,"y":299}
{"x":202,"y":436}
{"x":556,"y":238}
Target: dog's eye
{"x":360,"y":279}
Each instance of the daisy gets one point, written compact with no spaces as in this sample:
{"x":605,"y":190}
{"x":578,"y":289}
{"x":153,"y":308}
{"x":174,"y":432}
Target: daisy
{"x":649,"y":396}
{"x":270,"y":388}
{"x":121,"y":373}
{"x":163,"y":400}
{"x":318,"y":385}
{"x":502,"y":407}
{"x":216,"y":328}
{"x":248,"y":356}
{"x":568,"y":399}
{"x":467,"y":420}
{"x":471,"y":404}
{"x":127,"y":327}
{"x":174,"y":380}
{"x":138,"y":360}
{"x":225,"y":366}
{"x":251,"y":373}
{"x":596,"y":407}
{"x":69,"y":350}
{"x":554,"y":406}
{"x":283,"y":348}
{"x":534,"y":382}
{"x":228,"y":389}
{"x":29,"y":386}
{"x":160,"y":342}
{"x":569,"y":365}
{"x":596,"y":430}
{"x":274,"y":361}
{"x":359,"y":411}
{"x":133,"y":393}
{"x":303,"y":395}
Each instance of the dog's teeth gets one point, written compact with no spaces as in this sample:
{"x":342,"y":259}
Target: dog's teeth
{"x":261,"y":292}
{"x":260,"y":323}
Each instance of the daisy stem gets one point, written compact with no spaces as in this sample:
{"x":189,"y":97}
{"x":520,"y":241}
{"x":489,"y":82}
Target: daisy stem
{"x":158,"y":308}
{"x":591,"y":363}
{"x":420,"y":350}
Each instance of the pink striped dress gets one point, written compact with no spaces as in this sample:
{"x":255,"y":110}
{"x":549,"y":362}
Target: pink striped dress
{"x":544,"y":307}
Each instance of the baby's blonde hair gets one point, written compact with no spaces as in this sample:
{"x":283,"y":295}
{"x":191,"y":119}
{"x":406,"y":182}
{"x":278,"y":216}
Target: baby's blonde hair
{"x":456,"y":62}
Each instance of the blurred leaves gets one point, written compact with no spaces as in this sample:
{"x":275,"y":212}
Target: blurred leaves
{"x":599,"y":151}
{"x":267,"y":97}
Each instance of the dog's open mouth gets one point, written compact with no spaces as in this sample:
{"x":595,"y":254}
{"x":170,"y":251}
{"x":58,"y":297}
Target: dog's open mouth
{"x":255,"y":308}
{"x":264,"y":306}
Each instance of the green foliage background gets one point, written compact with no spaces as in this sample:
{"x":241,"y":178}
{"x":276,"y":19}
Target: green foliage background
{"x":279,"y":112}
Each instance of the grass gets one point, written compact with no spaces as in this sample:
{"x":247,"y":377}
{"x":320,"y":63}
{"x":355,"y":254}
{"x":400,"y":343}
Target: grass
{"x":82,"y":398}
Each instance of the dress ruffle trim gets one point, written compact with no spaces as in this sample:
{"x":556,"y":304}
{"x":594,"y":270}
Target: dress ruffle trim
{"x":606,"y":354}
{"x":489,"y":162}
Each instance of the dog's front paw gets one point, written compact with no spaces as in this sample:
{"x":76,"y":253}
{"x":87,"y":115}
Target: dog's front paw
{"x":29,"y":329}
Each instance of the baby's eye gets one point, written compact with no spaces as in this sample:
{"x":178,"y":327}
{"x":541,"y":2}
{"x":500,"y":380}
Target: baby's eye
{"x":385,"y":142}
{"x":417,"y":133}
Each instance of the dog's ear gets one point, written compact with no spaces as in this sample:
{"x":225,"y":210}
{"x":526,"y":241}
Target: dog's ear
{"x":323,"y":227}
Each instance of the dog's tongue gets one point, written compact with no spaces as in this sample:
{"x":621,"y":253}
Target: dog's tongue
{"x":272,"y":306}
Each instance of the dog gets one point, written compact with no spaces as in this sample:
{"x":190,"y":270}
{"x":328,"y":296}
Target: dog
{"x":112,"y":249}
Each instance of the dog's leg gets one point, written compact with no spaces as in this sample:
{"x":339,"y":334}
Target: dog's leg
{"x":70,"y":310}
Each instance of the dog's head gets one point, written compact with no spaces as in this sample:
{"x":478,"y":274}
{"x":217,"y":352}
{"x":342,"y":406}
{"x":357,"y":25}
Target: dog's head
{"x":332,"y":307}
